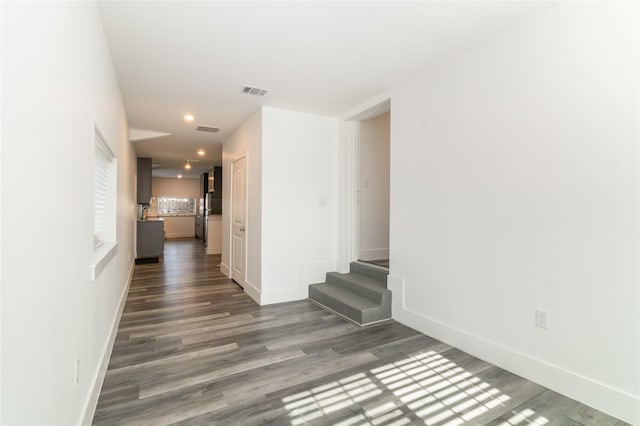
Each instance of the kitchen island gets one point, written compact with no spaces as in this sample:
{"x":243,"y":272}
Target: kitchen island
{"x":149,"y":240}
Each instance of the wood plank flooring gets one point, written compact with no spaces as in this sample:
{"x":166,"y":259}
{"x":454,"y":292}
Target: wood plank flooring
{"x":193,"y":349}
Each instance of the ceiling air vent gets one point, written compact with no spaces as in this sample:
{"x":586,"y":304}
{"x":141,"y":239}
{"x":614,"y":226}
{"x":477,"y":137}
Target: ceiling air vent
{"x":254,"y":91}
{"x":212,"y":129}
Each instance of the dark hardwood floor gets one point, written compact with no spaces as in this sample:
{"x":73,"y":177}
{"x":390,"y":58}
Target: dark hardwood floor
{"x":193,"y":349}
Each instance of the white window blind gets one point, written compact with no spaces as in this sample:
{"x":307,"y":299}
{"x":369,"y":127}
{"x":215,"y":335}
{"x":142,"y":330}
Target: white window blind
{"x":103,"y":191}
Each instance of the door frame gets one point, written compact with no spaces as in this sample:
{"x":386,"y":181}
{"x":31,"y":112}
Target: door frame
{"x":243,"y":281}
{"x":352,"y":138}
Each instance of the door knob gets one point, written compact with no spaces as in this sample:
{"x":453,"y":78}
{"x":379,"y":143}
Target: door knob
{"x":241,"y":229}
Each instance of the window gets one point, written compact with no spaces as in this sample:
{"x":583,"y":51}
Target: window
{"x":174,"y":206}
{"x":104,"y":189}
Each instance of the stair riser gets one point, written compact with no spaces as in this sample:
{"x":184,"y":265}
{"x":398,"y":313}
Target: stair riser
{"x":382,"y":313}
{"x":370,"y":294}
{"x":361,"y":295}
{"x":375,"y":274}
{"x":360,"y":317}
{"x":336,"y":305}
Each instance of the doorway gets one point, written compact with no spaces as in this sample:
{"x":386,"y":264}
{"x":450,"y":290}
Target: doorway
{"x":374,"y":190}
{"x":238,"y":221}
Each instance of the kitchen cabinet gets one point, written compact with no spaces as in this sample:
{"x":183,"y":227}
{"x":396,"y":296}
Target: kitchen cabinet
{"x":204,"y":183}
{"x":217,"y":181}
{"x":199,"y":227}
{"x":216,"y":205}
{"x":210,"y":180}
{"x":149,"y":239}
{"x":144,"y":180}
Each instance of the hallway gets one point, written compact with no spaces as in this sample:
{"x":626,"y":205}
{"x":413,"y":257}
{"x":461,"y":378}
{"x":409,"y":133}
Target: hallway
{"x":192,"y":348}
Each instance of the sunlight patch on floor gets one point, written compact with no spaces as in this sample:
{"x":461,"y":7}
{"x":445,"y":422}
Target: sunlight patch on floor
{"x":426,"y":385}
{"x":524,"y":417}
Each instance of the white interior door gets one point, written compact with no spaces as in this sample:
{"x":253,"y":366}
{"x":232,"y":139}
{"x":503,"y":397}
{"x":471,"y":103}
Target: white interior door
{"x":238,"y":219}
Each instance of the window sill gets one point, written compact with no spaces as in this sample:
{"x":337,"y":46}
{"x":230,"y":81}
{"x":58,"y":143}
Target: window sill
{"x":101,"y":258}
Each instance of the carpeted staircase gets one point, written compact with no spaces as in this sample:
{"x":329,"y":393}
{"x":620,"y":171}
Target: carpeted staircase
{"x":361,"y":295}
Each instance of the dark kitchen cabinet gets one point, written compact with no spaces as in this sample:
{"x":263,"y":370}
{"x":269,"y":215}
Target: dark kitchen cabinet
{"x":210,"y":181}
{"x":144,"y":180}
{"x":217,"y":191}
{"x":204,"y":183}
{"x":217,"y":181}
{"x":199,"y":226}
{"x":149,"y":239}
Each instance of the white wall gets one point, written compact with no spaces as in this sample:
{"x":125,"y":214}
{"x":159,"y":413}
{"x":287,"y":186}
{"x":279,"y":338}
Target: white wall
{"x":175,"y":227}
{"x":299,"y":202}
{"x":514,"y":173}
{"x":292,"y":201}
{"x":57,"y":82}
{"x":214,"y":234}
{"x":374,"y":188}
{"x":245,"y":142}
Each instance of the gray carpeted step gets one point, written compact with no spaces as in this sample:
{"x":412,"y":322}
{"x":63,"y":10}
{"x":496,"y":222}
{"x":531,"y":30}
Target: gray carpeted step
{"x":360,"y":285}
{"x":374,"y":272}
{"x":353,"y":306}
{"x":360,"y":295}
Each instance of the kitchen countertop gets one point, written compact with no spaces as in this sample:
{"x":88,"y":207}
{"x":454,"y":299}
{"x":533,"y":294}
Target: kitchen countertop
{"x":152,"y":219}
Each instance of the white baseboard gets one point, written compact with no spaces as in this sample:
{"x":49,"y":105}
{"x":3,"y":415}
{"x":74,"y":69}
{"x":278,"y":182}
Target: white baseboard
{"x":253,"y":292}
{"x":224,"y":269}
{"x":374,"y":254}
{"x":275,"y":296}
{"x":598,"y":395}
{"x":98,"y":379}
{"x":343,"y":267}
{"x":214,"y":250}
{"x":306,"y":273}
{"x":282,"y":295}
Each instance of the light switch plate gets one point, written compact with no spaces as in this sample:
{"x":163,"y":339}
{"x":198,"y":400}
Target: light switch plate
{"x":542,"y":319}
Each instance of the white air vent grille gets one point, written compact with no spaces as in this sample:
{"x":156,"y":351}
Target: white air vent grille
{"x":212,"y":129}
{"x":254,"y":91}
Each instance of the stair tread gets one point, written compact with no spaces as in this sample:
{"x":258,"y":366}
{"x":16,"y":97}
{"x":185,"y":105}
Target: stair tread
{"x":371,"y":266}
{"x":360,"y":295}
{"x":346,"y":297}
{"x":373,"y":272}
{"x":361,"y":280}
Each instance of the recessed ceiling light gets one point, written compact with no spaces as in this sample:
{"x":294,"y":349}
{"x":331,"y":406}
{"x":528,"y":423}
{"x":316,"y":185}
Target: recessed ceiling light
{"x":201,"y":152}
{"x":187,"y":166}
{"x":188,"y":117}
{"x":179,"y":176}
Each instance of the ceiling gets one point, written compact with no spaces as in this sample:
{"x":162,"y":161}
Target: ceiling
{"x":174,"y":58}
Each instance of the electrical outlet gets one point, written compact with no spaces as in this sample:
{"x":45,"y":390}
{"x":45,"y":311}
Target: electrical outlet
{"x":77,"y":370}
{"x":542,"y":319}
